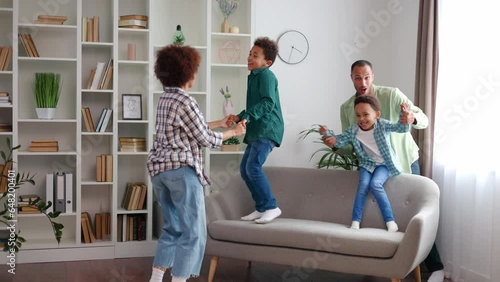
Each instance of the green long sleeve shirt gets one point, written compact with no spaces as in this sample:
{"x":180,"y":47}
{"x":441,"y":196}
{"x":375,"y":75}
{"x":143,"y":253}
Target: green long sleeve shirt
{"x":263,"y":110}
{"x":390,"y":99}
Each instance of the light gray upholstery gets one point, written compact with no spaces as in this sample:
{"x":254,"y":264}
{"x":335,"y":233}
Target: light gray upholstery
{"x":313,"y":230}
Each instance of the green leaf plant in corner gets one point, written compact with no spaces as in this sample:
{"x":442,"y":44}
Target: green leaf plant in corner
{"x":344,"y":158}
{"x":9,"y":185}
{"x":231,"y":141}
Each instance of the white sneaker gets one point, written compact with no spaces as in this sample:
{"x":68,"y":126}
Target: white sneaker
{"x":436,"y":276}
{"x":269,"y":215}
{"x":391,"y":226}
{"x":253,"y":216}
{"x":355,"y":224}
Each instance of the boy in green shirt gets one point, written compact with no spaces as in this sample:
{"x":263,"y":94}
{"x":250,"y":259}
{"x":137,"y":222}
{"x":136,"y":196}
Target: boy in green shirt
{"x":265,"y":128}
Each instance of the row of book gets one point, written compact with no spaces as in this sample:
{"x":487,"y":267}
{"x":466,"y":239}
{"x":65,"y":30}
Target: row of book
{"x":131,"y":227}
{"x":48,"y":19}
{"x":133,"y":21}
{"x":103,"y":122}
{"x":90,"y":29}
{"x":132,"y":144}
{"x":4,"y":172}
{"x":100,"y":77}
{"x":41,"y":145}
{"x":5,"y":127}
{"x":135,"y":196}
{"x":104,"y":168}
{"x":5,"y":56}
{"x":28,"y":44}
{"x":100,"y":231}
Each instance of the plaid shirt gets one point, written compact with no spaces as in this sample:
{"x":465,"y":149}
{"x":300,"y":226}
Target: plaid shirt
{"x":381,"y":131}
{"x":181,"y":132}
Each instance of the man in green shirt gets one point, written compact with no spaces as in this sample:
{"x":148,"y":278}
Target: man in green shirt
{"x":404,"y":146}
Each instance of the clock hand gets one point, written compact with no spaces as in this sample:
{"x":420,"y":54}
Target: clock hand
{"x":293,"y":47}
{"x":290,"y":56}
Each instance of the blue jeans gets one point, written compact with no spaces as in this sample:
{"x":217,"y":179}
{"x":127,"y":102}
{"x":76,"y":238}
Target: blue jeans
{"x":181,"y":245}
{"x":251,"y":171}
{"x":374,"y":183}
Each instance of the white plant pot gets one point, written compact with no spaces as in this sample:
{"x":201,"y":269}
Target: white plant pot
{"x":46,"y":113}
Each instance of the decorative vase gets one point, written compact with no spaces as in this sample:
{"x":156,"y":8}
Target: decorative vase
{"x":46,"y":113}
{"x":227,"y":107}
{"x":224,"y":27}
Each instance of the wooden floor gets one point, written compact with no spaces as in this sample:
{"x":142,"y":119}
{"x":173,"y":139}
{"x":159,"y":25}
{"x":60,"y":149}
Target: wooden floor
{"x":139,"y":270}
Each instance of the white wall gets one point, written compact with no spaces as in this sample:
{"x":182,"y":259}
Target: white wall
{"x":381,"y":31}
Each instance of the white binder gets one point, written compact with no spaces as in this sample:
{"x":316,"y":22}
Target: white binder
{"x":68,"y":177}
{"x":59,"y":204}
{"x":49,"y":191}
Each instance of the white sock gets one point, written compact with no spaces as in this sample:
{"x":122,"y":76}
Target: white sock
{"x":157,"y":275}
{"x":269,"y":215}
{"x":436,"y":276}
{"x":391,"y":226}
{"x":355,"y":224}
{"x":253,"y":216}
{"x":178,"y":279}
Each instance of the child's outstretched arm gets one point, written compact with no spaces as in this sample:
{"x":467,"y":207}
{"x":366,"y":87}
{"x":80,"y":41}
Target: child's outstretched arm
{"x":328,"y":137}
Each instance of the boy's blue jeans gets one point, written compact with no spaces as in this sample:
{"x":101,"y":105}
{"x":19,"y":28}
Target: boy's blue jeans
{"x":374,"y":183}
{"x":181,"y":245}
{"x":251,"y":171}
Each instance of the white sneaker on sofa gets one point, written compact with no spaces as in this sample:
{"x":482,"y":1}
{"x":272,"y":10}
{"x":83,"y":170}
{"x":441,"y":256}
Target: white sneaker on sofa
{"x":269,"y":215}
{"x":253,"y":216}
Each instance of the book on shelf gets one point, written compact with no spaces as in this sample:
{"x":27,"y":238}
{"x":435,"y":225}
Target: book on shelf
{"x":5,"y":127}
{"x":90,"y":29}
{"x":132,"y":144}
{"x":48,"y":19}
{"x":28,"y":197}
{"x":4,"y":94}
{"x":29,"y":45}
{"x":135,"y":228}
{"x":134,"y":197}
{"x":102,"y":226}
{"x":5,"y":56}
{"x":44,"y":146}
{"x":4,"y":177}
{"x":88,"y":227}
{"x":133,"y":21}
{"x":100,"y":77}
{"x":105,"y":121}
{"x":104,"y":168}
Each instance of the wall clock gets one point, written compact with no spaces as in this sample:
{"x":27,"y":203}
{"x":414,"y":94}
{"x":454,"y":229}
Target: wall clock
{"x":293,"y":47}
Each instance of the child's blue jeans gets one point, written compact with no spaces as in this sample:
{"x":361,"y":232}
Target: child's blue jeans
{"x":251,"y":171}
{"x":181,"y":245}
{"x":373,"y":182}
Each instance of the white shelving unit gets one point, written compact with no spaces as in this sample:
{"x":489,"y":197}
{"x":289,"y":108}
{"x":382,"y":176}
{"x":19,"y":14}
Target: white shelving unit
{"x":63,"y":51}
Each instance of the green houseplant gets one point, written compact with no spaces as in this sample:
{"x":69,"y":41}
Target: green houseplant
{"x":12,"y":242}
{"x":230,"y":144}
{"x":178,"y":38}
{"x":47,"y":90}
{"x":331,"y":157}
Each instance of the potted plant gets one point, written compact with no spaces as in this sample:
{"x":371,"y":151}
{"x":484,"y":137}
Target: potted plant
{"x":12,"y":242}
{"x":178,"y":38}
{"x":230,"y":144}
{"x":227,"y":106}
{"x":46,"y":89}
{"x":332,"y":157}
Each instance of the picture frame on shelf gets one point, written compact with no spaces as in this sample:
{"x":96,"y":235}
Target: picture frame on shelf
{"x":132,"y":106}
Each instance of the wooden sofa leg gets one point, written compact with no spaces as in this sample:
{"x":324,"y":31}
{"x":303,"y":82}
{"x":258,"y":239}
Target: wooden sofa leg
{"x":213,"y":267}
{"x":416,"y":274}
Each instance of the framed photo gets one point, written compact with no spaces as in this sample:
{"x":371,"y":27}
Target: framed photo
{"x":132,"y":106}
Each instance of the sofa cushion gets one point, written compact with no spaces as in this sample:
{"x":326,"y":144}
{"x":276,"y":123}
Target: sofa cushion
{"x":311,"y":235}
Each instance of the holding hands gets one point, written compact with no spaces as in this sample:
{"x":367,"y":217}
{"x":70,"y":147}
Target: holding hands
{"x":328,"y":138}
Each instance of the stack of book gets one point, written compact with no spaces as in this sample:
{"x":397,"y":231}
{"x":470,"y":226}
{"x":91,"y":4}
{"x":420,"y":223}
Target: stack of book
{"x":100,"y":77}
{"x":4,"y":97}
{"x":135,"y":227}
{"x":132,"y":144}
{"x":104,"y":168}
{"x":5,"y":127}
{"x":23,"y":205}
{"x":135,"y":196}
{"x":29,"y":45}
{"x":90,"y":29}
{"x":46,"y":19}
{"x":133,"y":21}
{"x":5,"y":55}
{"x":44,"y":146}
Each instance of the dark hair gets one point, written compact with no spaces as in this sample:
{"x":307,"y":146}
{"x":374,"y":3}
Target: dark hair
{"x":361,"y":63}
{"x":176,"y":65}
{"x":367,"y":99}
{"x":269,"y":46}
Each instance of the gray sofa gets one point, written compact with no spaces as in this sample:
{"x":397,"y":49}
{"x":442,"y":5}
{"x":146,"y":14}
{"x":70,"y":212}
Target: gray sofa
{"x":313,"y":231}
